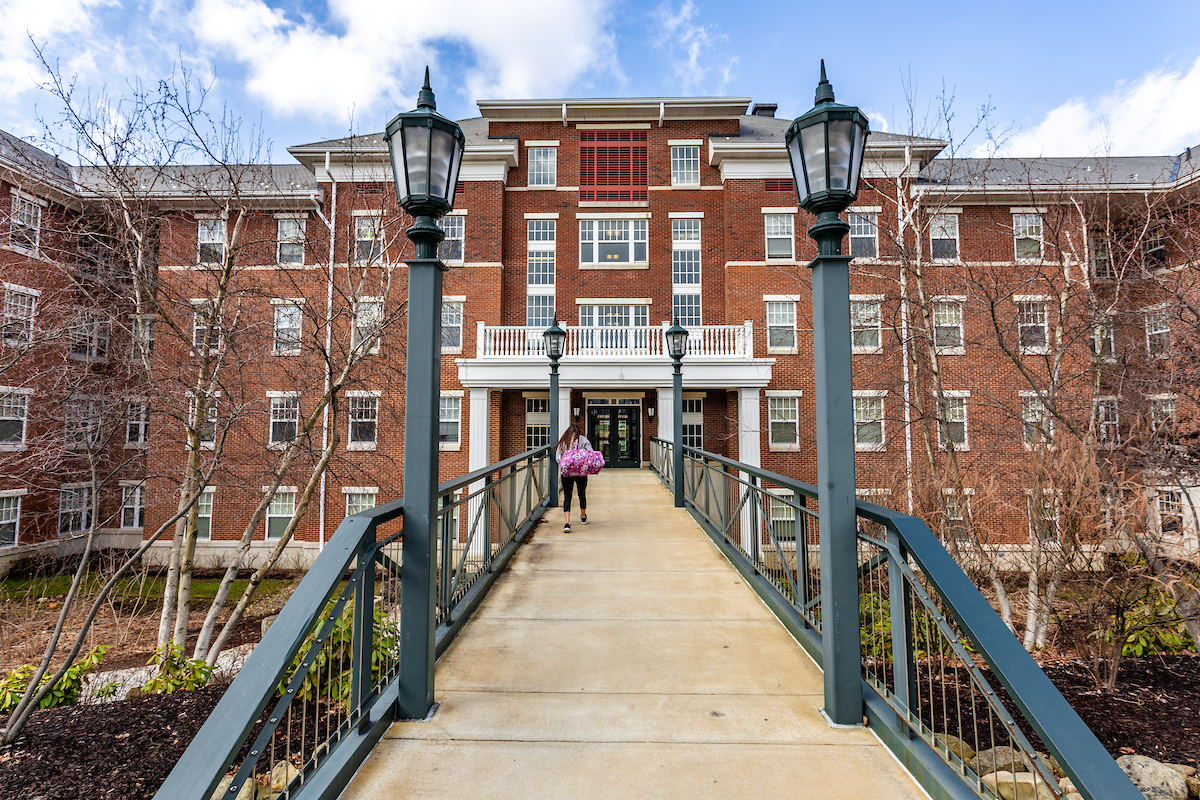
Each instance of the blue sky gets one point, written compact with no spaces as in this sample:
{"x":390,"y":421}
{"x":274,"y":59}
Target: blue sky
{"x":1058,"y":78}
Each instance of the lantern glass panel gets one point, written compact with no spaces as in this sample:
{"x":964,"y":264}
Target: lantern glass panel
{"x":441,"y":153}
{"x":455,"y":163}
{"x":841,"y":138}
{"x":813,"y":142}
{"x":798,"y":169}
{"x":677,"y":343}
{"x":396,"y":150}
{"x":416,"y":149}
{"x":856,"y":165}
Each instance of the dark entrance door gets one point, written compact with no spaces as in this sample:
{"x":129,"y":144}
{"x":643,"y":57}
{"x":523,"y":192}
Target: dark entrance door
{"x":616,"y":432}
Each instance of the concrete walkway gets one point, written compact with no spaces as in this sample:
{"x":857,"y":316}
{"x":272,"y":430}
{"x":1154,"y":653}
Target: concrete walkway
{"x":626,"y":659}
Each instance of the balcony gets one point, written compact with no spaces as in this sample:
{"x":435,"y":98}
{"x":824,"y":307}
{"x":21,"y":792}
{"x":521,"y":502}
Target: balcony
{"x":519,"y":341}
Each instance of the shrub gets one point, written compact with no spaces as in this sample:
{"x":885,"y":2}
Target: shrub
{"x":329,"y":677}
{"x":65,"y":692}
{"x":176,"y":672}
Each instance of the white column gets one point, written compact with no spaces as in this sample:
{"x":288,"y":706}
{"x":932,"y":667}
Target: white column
{"x":564,"y":414}
{"x":749,"y":452}
{"x":666,"y":413}
{"x":478,"y":448}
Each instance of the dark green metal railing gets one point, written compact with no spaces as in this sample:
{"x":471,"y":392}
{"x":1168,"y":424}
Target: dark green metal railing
{"x":929,"y":640}
{"x":322,"y":686}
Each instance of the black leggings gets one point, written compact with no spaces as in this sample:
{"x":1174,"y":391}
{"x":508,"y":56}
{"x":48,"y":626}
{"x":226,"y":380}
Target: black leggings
{"x":569,"y":483}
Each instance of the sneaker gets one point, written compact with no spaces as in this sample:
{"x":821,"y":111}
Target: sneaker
{"x":583,"y":519}
{"x":567,"y":528}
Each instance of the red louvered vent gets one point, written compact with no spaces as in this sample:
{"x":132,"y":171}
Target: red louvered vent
{"x":612,"y":166}
{"x":780,"y":185}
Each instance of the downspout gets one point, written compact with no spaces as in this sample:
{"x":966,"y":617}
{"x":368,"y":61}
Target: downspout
{"x":332,"y":225}
{"x":904,"y":328}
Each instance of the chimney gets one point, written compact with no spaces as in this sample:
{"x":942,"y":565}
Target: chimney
{"x":763,"y":109}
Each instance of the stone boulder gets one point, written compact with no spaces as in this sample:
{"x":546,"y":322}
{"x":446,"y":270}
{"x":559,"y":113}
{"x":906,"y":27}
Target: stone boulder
{"x":957,"y":746}
{"x":996,"y":759}
{"x":1018,"y":786}
{"x":221,"y":792}
{"x":1154,"y":779}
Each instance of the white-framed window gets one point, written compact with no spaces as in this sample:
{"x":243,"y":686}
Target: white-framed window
{"x":781,"y":507}
{"x":1108,"y":431}
{"x":368,"y":319}
{"x":20,"y":306}
{"x":206,"y":326}
{"x":948,"y":325}
{"x":133,"y":505}
{"x":89,"y":337}
{"x":1043,"y":514}
{"x":952,"y":420}
{"x":693,"y":422}
{"x":956,"y":511}
{"x":685,"y":271}
{"x":1158,"y":331}
{"x":451,"y":248}
{"x":781,"y":326}
{"x":206,"y":430}
{"x":635,"y":315}
{"x":289,"y":247}
{"x":1162,"y":414}
{"x":81,"y":422}
{"x":866,"y":324}
{"x":452,"y":326}
{"x":368,"y":237}
{"x":537,"y":422}
{"x":1154,"y":249}
{"x":449,"y":421}
{"x":1033,"y":332}
{"x":1103,"y":341}
{"x":363,"y":414}
{"x":868,"y":420}
{"x":1102,"y":268}
{"x":943,"y":237}
{"x":779,"y":235}
{"x":540,"y":272}
{"x":1170,"y":512}
{"x":25,"y":224}
{"x":1027,"y":237}
{"x":609,"y":242}
{"x":783,"y":419}
{"x":204,"y":512}
{"x":360,"y":499}
{"x":280,"y":511}
{"x":285,"y":417}
{"x":864,"y":234}
{"x":14,"y":414}
{"x":137,"y":423}
{"x":543,"y":166}
{"x":141,"y":334}
{"x":1037,"y":426}
{"x":289,"y":316}
{"x":10,"y":517}
{"x":685,"y":165}
{"x":210,"y":241}
{"x":74,"y":509}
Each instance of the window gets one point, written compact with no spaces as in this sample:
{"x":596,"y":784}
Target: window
{"x":685,"y":271}
{"x":613,"y":241}
{"x":537,"y":422}
{"x":25,"y":225}
{"x":1035,"y":420}
{"x":1158,"y":331}
{"x":14,"y":411}
{"x":19,"y":307}
{"x":1107,"y":430}
{"x":613,"y":166}
{"x":287,"y":327}
{"x":943,"y":237}
{"x":290,"y":246}
{"x":1170,"y":512}
{"x":864,"y":235}
{"x":1032,"y":333}
{"x":1043,"y":515}
{"x":957,"y":511}
{"x":693,"y":422}
{"x":10,"y":518}
{"x":449,"y":421}
{"x":1162,"y":414}
{"x":783,"y":416}
{"x":285,"y":419}
{"x":613,"y":316}
{"x":1154,"y":249}
{"x":780,"y":240}
{"x":137,"y":423}
{"x":204,"y":509}
{"x":89,"y":337}
{"x":783,"y":517}
{"x":539,"y":271}
{"x":948,"y":324}
{"x":865,"y":325}
{"x":359,"y":499}
{"x":368,"y":244}
{"x":279,"y":512}
{"x":1103,"y":343}
{"x":141,"y":330}
{"x":543,"y":166}
{"x":952,"y":420}
{"x":781,"y":326}
{"x":1102,"y":268}
{"x":81,"y":421}
{"x":685,"y":165}
{"x":206,"y":431}
{"x":368,"y":319}
{"x":452,"y":326}
{"x":210,"y":237}
{"x":133,"y":505}
{"x":364,"y":420}
{"x":74,"y":509}
{"x":450,"y":249}
{"x":1027,"y":236}
{"x":868,"y":420}
{"x":206,"y":326}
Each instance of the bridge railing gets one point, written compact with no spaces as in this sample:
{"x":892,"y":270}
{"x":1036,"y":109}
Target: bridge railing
{"x":321,"y":687}
{"x":941,"y":671}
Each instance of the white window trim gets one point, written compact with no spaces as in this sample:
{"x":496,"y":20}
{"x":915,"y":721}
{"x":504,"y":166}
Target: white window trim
{"x":867,"y":298}
{"x":776,"y":447}
{"x":36,"y":294}
{"x":954,"y":394}
{"x":1041,"y":238}
{"x":1029,"y":394}
{"x":1146,"y":312}
{"x":132,"y":485}
{"x":1033,"y":298}
{"x":14,"y":447}
{"x":961,"y":299}
{"x":776,"y":350}
{"x":303,"y":219}
{"x":17,"y":493}
{"x":547,"y":144}
{"x":374,"y":349}
{"x":1055,"y":494}
{"x":947,"y":212}
{"x":354,"y":446}
{"x":282,"y":444}
{"x":860,"y":447}
{"x":454,"y":446}
{"x":461,"y":300}
{"x":286,"y":301}
{"x":144,"y":420}
{"x":699,"y":163}
{"x":214,"y":398}
{"x":788,"y":211}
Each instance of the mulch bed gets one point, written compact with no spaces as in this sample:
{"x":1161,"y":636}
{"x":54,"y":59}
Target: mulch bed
{"x":73,"y":752}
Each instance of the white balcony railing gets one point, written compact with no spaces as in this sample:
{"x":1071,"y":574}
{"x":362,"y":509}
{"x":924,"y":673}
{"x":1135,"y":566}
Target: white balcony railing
{"x":519,"y":341}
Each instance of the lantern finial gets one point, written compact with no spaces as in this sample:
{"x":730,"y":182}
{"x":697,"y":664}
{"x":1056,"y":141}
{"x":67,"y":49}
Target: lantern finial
{"x":824,"y":88}
{"x":425,"y":98}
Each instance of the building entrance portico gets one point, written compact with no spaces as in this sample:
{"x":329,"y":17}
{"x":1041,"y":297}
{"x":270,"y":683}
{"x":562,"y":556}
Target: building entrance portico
{"x":614,"y":428}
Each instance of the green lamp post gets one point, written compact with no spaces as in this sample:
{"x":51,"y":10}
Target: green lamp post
{"x":555,"y":339}
{"x":677,"y":337}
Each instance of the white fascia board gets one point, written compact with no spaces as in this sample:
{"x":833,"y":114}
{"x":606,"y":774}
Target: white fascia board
{"x":624,"y":109}
{"x":614,"y":374}
{"x":737,"y":170}
{"x":505,"y":150}
{"x":484,"y":171}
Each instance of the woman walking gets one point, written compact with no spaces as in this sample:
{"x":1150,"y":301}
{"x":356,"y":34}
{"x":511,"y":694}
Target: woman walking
{"x":573,"y":439}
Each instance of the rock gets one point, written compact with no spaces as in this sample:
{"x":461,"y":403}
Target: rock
{"x":138,"y":691}
{"x":281,"y":775}
{"x":998,"y":758}
{"x":1018,"y":786}
{"x":957,"y":746}
{"x":1066,"y":786}
{"x":1193,"y":784}
{"x":1072,"y":796}
{"x":222,"y":791}
{"x":267,"y":622}
{"x":1183,"y":768}
{"x":1055,"y":767}
{"x":1151,"y":776}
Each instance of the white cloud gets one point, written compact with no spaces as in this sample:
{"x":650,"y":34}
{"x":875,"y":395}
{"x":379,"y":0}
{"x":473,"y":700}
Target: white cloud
{"x":878,"y":122}
{"x":45,"y":21}
{"x":693,"y":49}
{"x":1157,"y":114}
{"x":374,"y":51}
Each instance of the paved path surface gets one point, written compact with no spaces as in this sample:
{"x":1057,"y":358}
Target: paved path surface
{"x":626,"y":659}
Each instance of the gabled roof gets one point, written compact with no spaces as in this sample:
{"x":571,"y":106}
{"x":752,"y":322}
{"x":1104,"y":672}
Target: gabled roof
{"x":1116,"y":172}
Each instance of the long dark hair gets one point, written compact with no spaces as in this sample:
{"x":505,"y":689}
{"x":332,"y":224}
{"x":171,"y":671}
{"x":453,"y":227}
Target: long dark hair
{"x":569,"y":436}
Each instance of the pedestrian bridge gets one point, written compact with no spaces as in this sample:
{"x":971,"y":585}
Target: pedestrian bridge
{"x":654,"y":652}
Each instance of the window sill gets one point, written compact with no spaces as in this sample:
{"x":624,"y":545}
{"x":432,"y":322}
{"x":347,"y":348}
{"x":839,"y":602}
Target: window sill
{"x":533,"y":187}
{"x":615,"y":266}
{"x":25,"y":251}
{"x":685,"y":185}
{"x":781,"y":259}
{"x":452,"y":351}
{"x":950,"y":351}
{"x":960,"y":448}
{"x":285,"y":352}
{"x":137,"y":446}
{"x":1035,"y":351}
{"x":869,"y":448}
{"x":782,"y":351}
{"x":453,"y":447}
{"x":89,"y":359}
{"x":775,"y":447}
{"x":865,"y":351}
{"x":360,"y":446}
